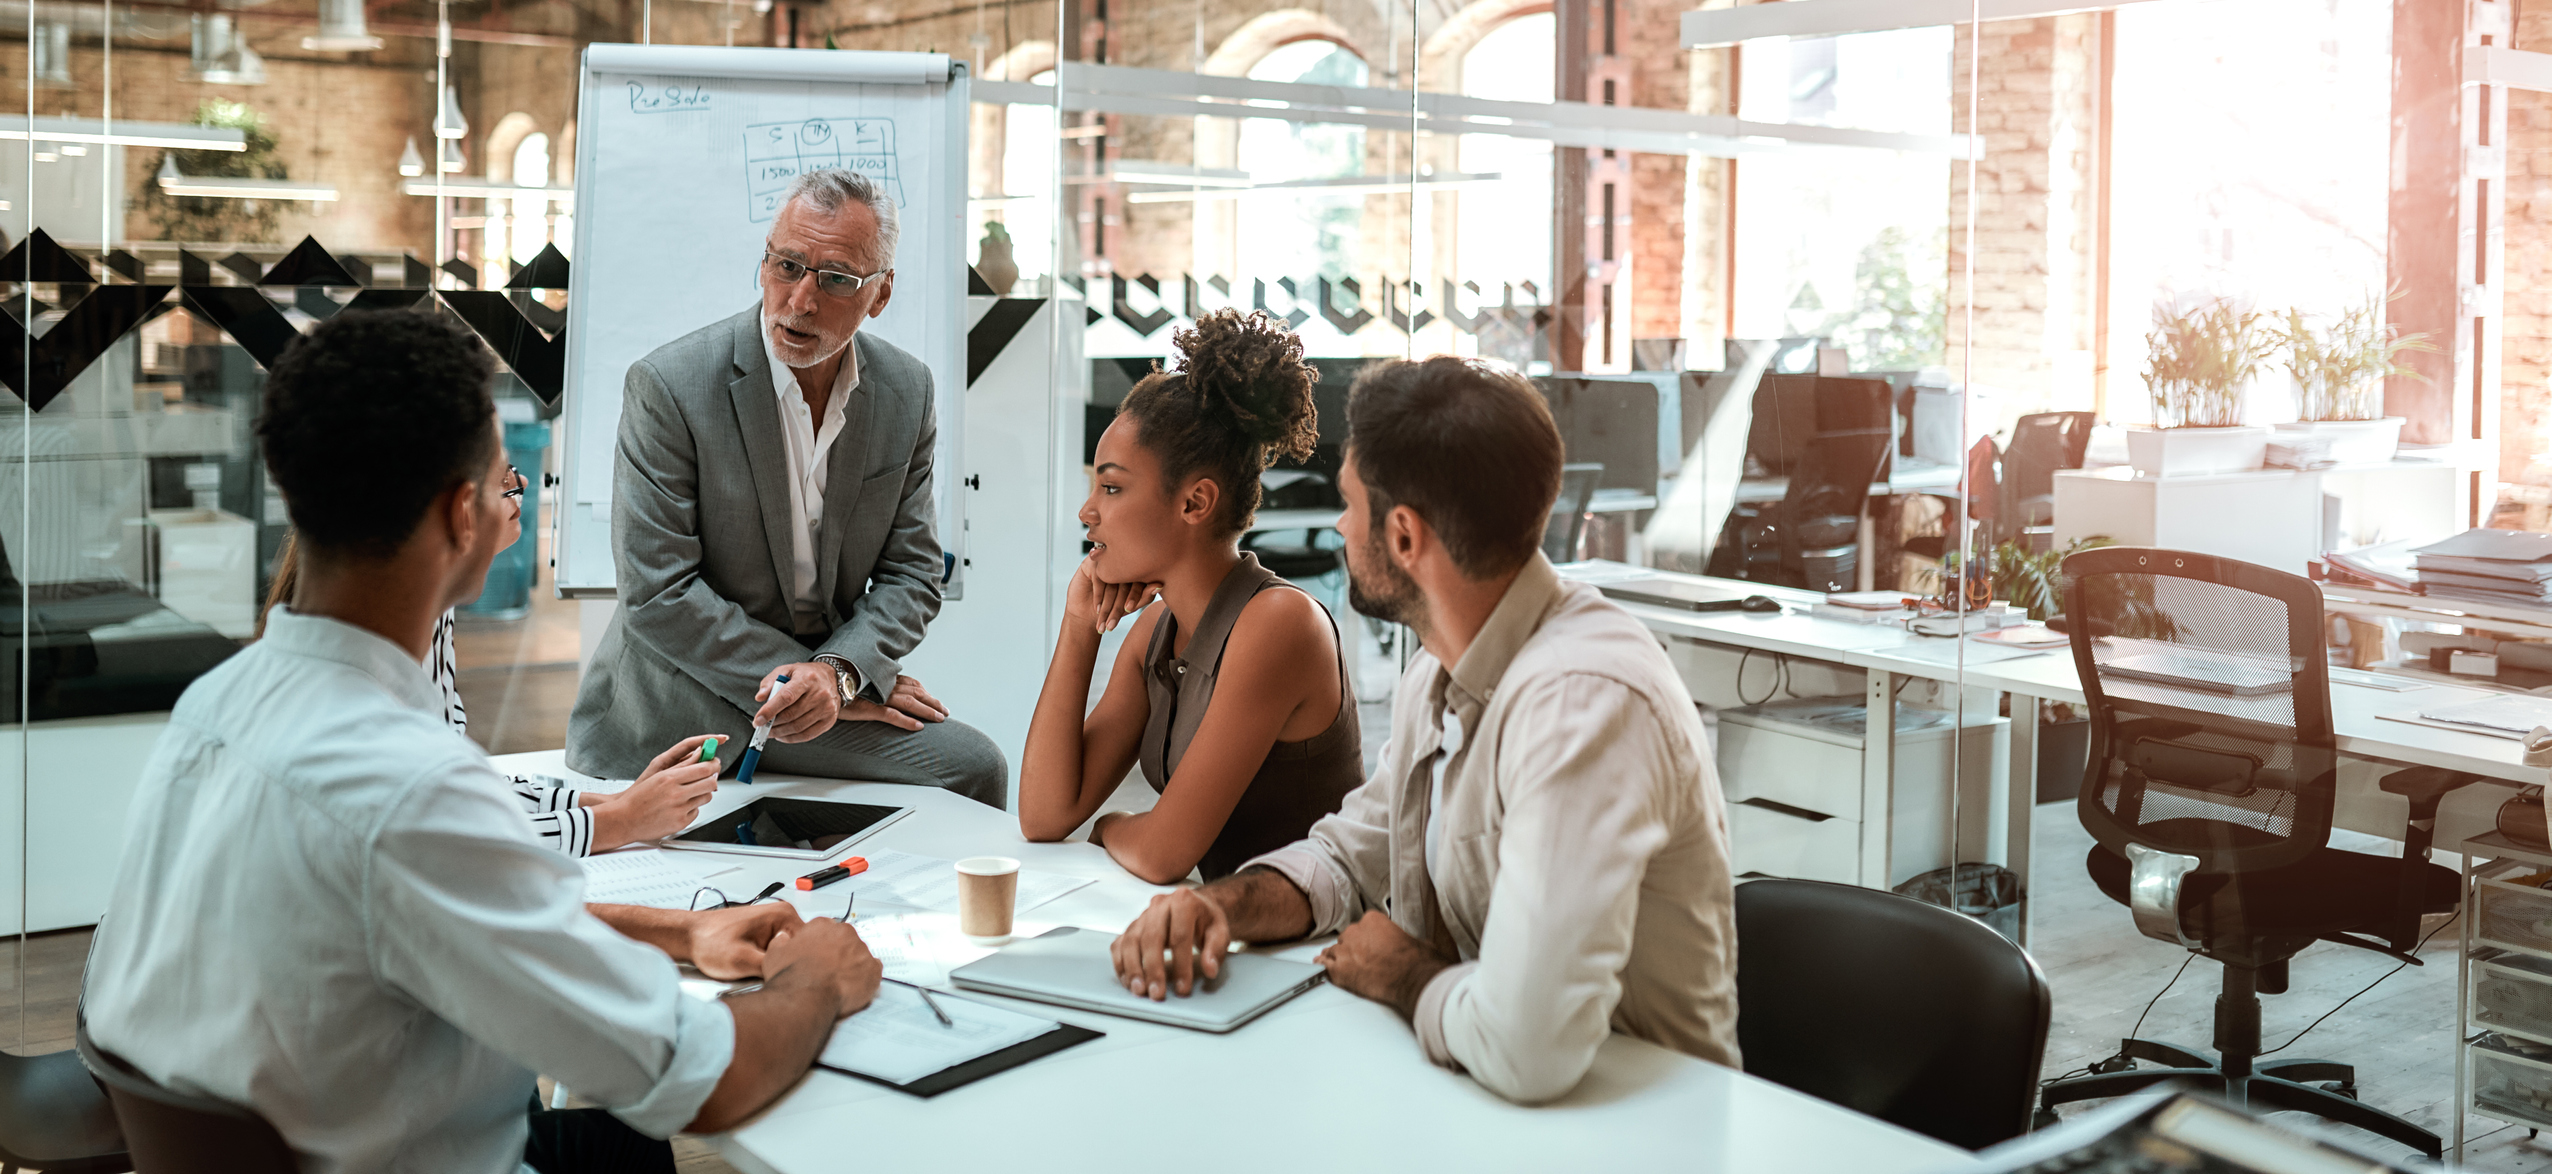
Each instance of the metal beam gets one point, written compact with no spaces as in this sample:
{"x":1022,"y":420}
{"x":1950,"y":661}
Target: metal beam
{"x":1116,"y":89}
{"x":1715,"y":27}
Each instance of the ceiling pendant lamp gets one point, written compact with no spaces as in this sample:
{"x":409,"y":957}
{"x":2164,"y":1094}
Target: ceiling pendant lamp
{"x":341,"y":29}
{"x":411,"y":164}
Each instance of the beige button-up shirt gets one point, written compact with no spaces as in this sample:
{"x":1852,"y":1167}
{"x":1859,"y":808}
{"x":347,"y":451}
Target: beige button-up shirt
{"x":1582,"y":848}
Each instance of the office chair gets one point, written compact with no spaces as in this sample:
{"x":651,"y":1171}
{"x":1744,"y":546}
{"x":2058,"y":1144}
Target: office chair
{"x":54,"y":1117}
{"x":2209,"y":788}
{"x":170,"y":1132}
{"x":1890,"y":1006}
{"x":2041,"y":443}
{"x":1817,"y":528}
{"x":1565,"y":532}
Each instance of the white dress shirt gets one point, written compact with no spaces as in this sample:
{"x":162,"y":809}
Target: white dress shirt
{"x":1571,"y":833}
{"x":809,"y":444}
{"x":331,"y":910}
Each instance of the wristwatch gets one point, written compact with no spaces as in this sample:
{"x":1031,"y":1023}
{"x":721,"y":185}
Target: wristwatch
{"x":846,"y":680}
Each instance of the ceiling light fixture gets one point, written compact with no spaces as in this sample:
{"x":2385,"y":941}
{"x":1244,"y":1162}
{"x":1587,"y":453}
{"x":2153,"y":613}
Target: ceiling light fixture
{"x":411,"y":164}
{"x":225,"y":187}
{"x":341,"y":29}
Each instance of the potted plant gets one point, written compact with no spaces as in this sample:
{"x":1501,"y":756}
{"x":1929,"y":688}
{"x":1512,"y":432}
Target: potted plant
{"x":2339,"y":374}
{"x":2198,"y":367}
{"x":993,"y":260}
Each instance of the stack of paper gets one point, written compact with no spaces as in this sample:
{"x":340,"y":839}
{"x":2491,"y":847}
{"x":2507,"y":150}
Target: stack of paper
{"x":649,"y":876}
{"x":2488,"y":566}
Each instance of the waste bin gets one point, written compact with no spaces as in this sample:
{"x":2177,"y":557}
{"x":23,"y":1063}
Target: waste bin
{"x":508,"y":594}
{"x":1989,"y":893}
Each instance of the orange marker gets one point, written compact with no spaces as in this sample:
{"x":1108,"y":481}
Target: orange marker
{"x":850,"y":866}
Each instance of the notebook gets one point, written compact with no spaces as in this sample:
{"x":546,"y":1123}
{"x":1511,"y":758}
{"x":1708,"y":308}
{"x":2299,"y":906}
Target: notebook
{"x":899,"y":1040}
{"x":1070,"y":967}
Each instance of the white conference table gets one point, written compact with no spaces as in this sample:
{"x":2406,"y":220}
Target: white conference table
{"x":1328,"y":1080}
{"x":1888,"y":655}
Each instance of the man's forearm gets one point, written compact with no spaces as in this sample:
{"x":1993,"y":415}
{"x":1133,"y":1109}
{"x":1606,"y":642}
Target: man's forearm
{"x":778,"y":1032}
{"x":1261,"y":905}
{"x":668,"y":930}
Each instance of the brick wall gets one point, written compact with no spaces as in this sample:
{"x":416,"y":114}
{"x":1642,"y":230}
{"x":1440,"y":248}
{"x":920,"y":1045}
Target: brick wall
{"x":2525,"y":400}
{"x":306,"y":103}
{"x":2032,"y":242}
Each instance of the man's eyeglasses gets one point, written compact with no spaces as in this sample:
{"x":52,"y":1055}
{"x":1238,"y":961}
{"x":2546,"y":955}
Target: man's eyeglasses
{"x":830,"y":282}
{"x":719,"y":900}
{"x":515,"y":479}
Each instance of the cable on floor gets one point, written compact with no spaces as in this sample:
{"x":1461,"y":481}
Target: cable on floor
{"x":2368,"y":987}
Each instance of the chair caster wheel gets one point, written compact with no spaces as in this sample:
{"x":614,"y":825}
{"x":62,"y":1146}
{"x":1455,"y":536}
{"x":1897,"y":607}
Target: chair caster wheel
{"x":2339,"y":1088}
{"x":2043,"y":1119}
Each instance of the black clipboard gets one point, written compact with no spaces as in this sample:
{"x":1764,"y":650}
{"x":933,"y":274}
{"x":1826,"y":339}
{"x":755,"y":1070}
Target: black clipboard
{"x":1063,"y":1036}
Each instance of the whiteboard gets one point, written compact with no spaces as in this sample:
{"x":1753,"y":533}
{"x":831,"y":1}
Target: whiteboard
{"x":682,"y":155}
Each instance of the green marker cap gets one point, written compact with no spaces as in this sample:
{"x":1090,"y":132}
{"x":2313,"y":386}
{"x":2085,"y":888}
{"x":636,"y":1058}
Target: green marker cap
{"x":709,"y":748}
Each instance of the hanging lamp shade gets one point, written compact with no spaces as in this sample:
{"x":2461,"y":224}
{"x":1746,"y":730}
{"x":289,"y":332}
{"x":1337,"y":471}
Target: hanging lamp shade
{"x":50,"y":49}
{"x":411,"y":164}
{"x":448,"y":122}
{"x":452,"y":160}
{"x":341,"y":29}
{"x":218,"y":54}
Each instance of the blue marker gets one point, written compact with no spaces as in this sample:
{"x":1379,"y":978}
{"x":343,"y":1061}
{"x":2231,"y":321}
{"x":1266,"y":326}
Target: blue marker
{"x":753,"y":750}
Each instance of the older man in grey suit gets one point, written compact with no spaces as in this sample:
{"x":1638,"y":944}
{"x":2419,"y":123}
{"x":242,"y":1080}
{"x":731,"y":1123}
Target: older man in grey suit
{"x":771,"y":524}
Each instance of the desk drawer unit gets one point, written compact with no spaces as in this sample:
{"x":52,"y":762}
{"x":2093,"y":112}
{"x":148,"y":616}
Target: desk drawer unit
{"x":2512,"y":993}
{"x":1770,"y":838}
{"x":1792,"y":773}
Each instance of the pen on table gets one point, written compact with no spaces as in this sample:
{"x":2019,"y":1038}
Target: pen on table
{"x":927,"y":1001}
{"x":753,"y":750}
{"x":849,"y":867}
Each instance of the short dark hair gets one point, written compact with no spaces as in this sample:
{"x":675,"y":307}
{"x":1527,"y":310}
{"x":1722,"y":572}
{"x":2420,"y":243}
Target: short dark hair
{"x":369,"y":418}
{"x":1467,"y":444}
{"x":1241,"y":397}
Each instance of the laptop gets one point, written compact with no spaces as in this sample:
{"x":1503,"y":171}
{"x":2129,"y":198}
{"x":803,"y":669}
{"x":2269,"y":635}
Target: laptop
{"x":1070,"y":967}
{"x":1672,"y":593}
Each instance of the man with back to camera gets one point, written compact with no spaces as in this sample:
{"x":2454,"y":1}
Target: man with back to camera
{"x":771,"y":517}
{"x":330,"y":909}
{"x":1545,"y":828}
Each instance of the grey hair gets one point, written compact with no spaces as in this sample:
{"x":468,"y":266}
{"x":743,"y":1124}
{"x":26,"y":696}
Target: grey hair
{"x":829,"y":189}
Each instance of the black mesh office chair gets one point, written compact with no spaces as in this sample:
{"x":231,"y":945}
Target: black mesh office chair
{"x":1818,"y":527}
{"x":2209,"y":789}
{"x":2041,"y":444}
{"x":173,"y":1133}
{"x":1566,"y":530}
{"x":1883,"y":1004}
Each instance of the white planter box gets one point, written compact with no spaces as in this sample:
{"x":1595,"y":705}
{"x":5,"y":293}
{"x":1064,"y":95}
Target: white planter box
{"x":2196,"y":452}
{"x":2355,"y":441}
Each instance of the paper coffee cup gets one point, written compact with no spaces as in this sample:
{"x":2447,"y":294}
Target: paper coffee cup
{"x":987,"y":888}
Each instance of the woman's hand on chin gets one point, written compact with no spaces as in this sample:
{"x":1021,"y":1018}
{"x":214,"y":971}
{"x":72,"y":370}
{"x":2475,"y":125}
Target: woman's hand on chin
{"x":1100,"y":604}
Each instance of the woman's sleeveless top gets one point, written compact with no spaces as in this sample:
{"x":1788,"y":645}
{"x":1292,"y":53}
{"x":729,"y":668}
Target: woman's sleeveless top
{"x":1298,"y":783}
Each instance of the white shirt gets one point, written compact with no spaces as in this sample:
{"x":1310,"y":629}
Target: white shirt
{"x":809,"y":444}
{"x":331,"y":910}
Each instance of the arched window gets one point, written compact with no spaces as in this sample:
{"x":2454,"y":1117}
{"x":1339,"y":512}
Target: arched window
{"x":529,"y":225}
{"x":1028,"y":182}
{"x":1502,"y":230}
{"x":1290,"y":234}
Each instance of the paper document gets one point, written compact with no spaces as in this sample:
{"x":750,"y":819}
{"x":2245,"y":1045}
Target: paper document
{"x":2505,"y":717}
{"x":898,"y":1040}
{"x":927,"y":882}
{"x":652,"y":877}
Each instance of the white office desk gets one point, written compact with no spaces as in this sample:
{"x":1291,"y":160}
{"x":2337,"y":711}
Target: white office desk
{"x":1328,"y":1080}
{"x":1889,"y":655}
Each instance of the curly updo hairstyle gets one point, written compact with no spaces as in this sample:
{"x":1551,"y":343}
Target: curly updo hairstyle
{"x":1239,"y":399}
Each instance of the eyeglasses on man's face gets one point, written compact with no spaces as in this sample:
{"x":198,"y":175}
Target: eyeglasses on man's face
{"x":514,"y":481}
{"x":830,"y":282}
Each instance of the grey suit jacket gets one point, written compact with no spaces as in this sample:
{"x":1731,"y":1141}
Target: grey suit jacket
{"x":700,"y":539}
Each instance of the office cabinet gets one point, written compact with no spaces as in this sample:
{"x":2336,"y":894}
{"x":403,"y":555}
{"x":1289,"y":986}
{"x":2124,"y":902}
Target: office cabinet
{"x":1798,"y":805}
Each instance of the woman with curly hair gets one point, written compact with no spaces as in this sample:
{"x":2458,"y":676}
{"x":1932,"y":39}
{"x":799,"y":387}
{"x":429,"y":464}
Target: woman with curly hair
{"x":1233,"y":694}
